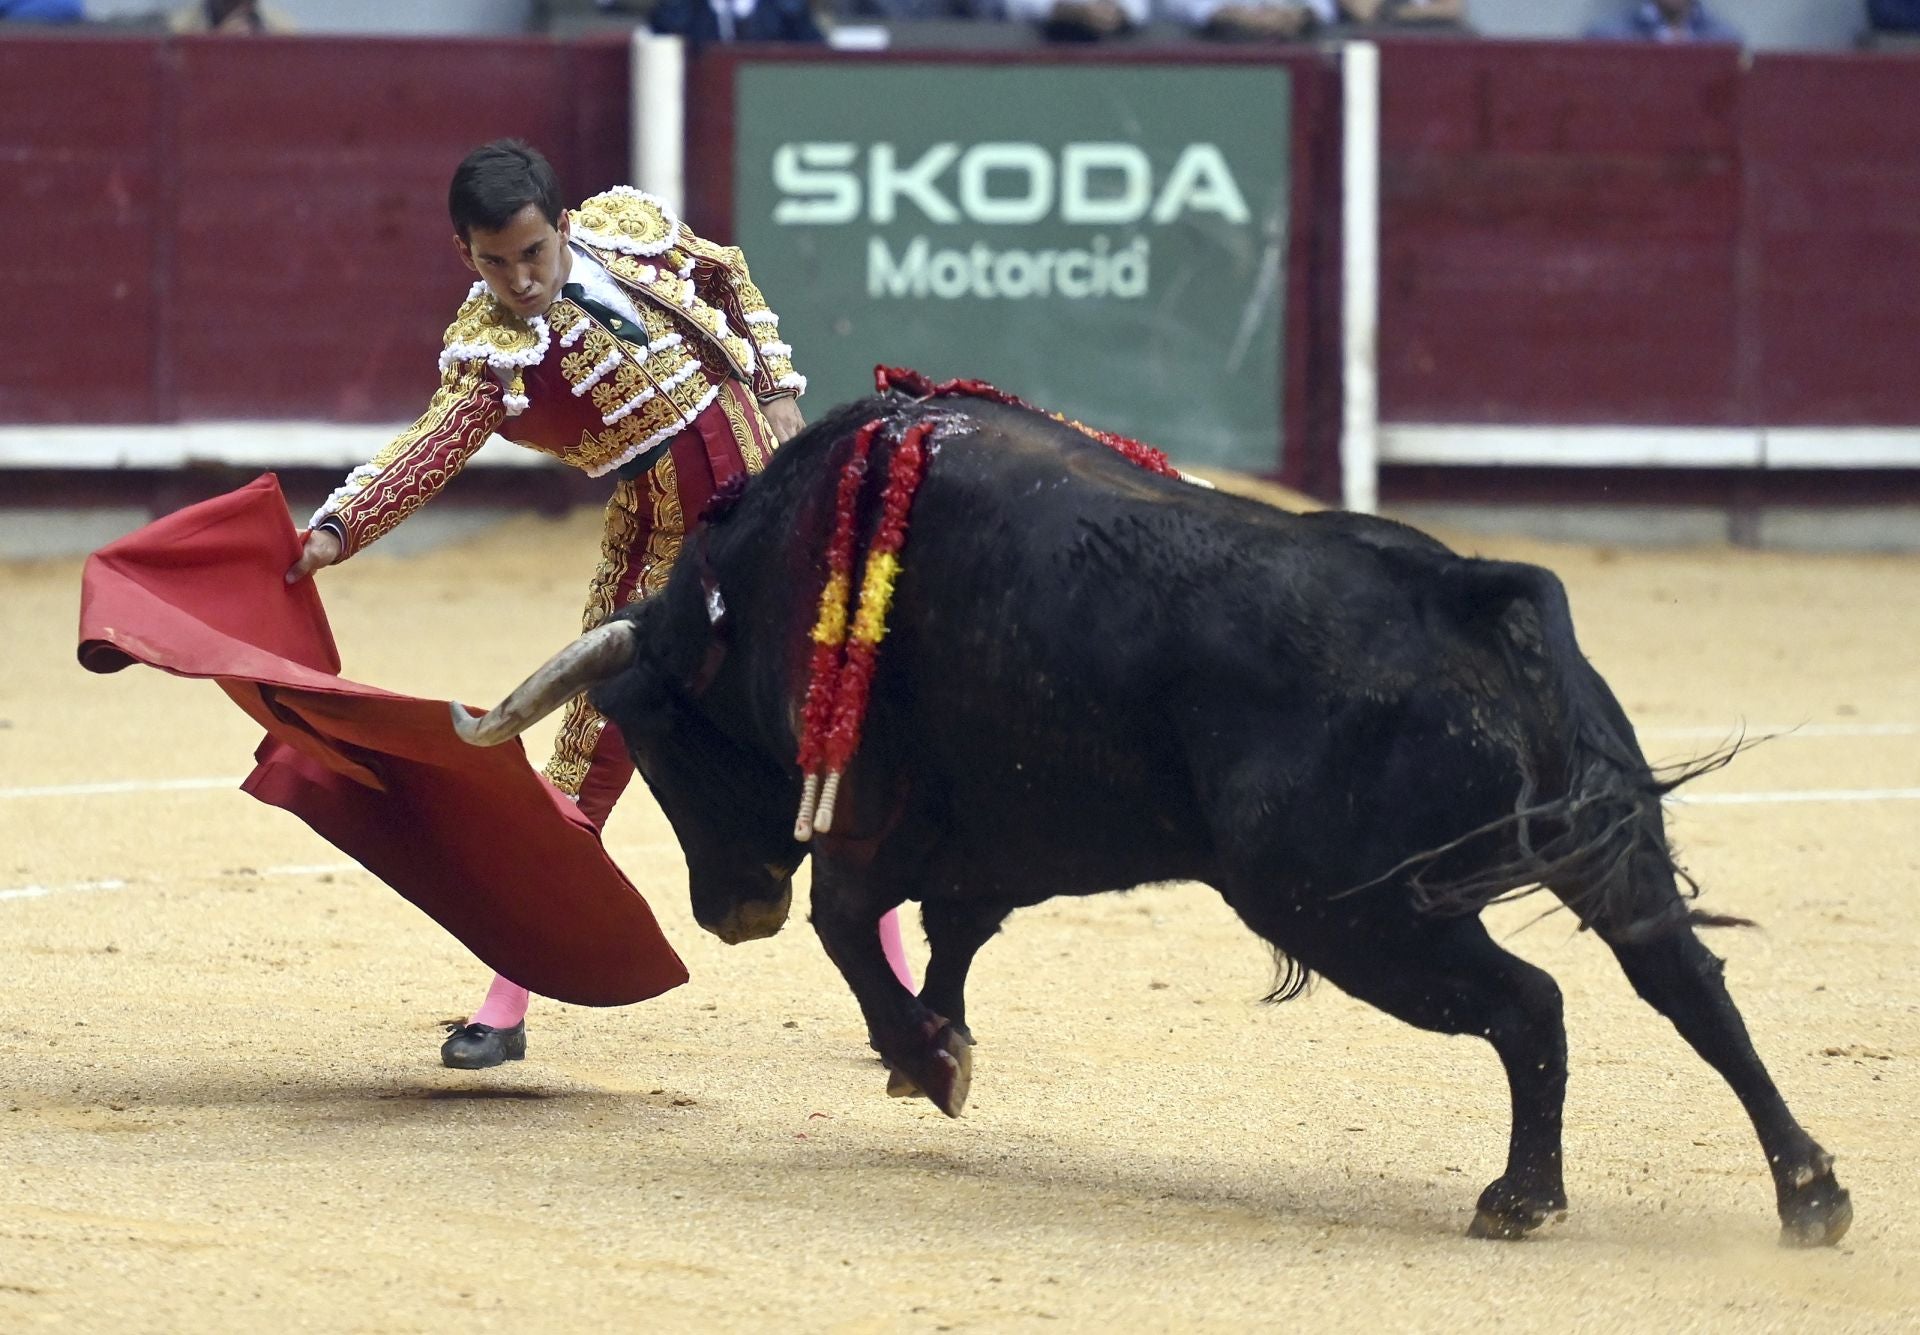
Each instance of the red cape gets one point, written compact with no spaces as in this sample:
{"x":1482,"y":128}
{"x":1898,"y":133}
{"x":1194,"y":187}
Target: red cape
{"x":475,"y":838}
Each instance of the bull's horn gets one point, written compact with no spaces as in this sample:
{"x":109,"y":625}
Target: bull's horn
{"x":593,"y":657}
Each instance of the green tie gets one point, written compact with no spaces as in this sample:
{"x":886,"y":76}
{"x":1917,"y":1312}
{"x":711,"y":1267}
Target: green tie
{"x":613,"y":320}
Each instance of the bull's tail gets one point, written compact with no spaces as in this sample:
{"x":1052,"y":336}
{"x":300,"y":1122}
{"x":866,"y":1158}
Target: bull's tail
{"x":1586,"y":821}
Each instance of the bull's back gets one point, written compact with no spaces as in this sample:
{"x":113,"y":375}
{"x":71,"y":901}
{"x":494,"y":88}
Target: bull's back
{"x":1042,"y":551}
{"x":1081,"y":647}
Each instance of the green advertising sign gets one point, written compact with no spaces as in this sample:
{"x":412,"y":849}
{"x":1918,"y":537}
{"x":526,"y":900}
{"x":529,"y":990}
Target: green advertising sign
{"x":1106,"y":241}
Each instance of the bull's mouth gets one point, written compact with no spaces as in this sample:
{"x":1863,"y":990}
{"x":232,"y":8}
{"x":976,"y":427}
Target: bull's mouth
{"x":753,"y":919}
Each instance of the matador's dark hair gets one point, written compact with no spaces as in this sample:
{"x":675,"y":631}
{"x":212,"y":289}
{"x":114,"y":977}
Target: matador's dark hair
{"x":496,"y":181}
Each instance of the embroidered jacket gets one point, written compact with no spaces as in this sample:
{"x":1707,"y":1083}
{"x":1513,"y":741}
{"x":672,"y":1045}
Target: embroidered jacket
{"x":598,"y":395}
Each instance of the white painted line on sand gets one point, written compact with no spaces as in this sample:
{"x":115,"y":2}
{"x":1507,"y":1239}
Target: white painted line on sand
{"x":120,"y":787}
{"x":1785,"y":731}
{"x":41,"y":891}
{"x":77,"y":887}
{"x":1796,"y":795}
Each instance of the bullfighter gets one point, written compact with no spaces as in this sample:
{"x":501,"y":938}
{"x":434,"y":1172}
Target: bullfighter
{"x":615,"y":339}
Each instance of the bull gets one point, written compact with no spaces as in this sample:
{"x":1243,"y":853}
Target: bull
{"x":1094,"y":678}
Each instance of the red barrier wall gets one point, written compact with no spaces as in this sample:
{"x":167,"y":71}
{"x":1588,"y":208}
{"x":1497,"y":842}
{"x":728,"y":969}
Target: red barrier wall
{"x":1833,"y":189}
{"x":80,"y":193}
{"x":1571,"y":233}
{"x":258,"y":228}
{"x":1615,"y":234}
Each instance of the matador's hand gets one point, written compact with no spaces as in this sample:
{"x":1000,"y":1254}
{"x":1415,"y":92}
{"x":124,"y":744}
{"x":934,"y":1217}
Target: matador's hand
{"x":783,"y":415}
{"x":322,"y":549}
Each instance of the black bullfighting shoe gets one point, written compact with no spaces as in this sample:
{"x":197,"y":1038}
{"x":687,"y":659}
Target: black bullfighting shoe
{"x":475,"y":1047}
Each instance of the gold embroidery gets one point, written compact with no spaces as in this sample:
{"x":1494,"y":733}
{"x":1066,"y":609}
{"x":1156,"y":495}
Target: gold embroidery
{"x":739,"y":351}
{"x":627,"y":216}
{"x":670,"y":304}
{"x":459,"y":417}
{"x":736,"y":407}
{"x":597,"y":450}
{"x":629,"y":378}
{"x":454,"y":387}
{"x":576,"y":366}
{"x":663,"y":365}
{"x":625,"y":381}
{"x":628,"y":268}
{"x":712,"y":253}
{"x":483,"y":328}
{"x":670,"y":288}
{"x":731,"y":265}
{"x":581,"y":725}
{"x":669,"y":527}
{"x":659,"y":323}
{"x":562,"y":316}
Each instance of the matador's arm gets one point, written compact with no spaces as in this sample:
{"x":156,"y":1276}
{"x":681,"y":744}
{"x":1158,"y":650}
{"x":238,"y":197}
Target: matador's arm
{"x":405,"y":475}
{"x":719,"y":274}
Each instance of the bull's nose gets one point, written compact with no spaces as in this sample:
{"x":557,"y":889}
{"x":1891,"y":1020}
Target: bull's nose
{"x":753,"y":919}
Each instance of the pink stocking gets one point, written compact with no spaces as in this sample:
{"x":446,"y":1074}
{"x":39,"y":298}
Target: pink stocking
{"x":896,"y":950}
{"x":505,"y":1006}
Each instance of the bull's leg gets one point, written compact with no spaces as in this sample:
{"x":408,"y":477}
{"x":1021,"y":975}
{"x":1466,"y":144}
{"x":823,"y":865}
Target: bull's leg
{"x":955,"y":932}
{"x":922,"y":1051}
{"x":1448,"y":975}
{"x":1682,"y":979}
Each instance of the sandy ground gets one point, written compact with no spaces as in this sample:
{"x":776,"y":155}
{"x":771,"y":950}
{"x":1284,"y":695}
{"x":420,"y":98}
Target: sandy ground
{"x":221,"y":1108}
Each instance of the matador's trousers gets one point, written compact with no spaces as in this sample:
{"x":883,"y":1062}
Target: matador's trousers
{"x":648,"y":519}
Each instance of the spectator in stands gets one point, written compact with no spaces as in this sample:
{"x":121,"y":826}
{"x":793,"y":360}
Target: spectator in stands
{"x":1667,"y":21}
{"x":906,"y":11}
{"x":1080,"y":20}
{"x":701,"y":21}
{"x":232,"y":17}
{"x":40,"y":11}
{"x":1894,"y":15}
{"x":1253,"y":20}
{"x":1405,"y":13}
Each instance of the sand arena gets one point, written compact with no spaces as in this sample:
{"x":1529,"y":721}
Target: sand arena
{"x":222,"y":1108}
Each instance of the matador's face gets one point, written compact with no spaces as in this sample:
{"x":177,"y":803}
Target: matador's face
{"x":524,"y":263}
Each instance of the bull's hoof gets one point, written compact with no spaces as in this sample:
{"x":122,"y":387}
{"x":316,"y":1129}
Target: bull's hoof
{"x":1507,"y":1214}
{"x":942,"y":1070}
{"x":934,"y":1005}
{"x":1818,"y":1211}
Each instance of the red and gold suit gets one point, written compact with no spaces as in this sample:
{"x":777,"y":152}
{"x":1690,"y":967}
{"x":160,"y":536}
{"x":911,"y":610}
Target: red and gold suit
{"x":670,"y":405}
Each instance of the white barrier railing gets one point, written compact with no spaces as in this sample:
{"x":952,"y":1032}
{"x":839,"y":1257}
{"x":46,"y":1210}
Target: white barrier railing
{"x":658,"y":106}
{"x":1649,"y":446}
{"x":1366,"y":442}
{"x":252,"y":444}
{"x":1360,"y":285}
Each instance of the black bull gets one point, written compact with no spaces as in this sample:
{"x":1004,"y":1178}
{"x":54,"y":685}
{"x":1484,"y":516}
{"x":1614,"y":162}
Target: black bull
{"x":1095,"y":677}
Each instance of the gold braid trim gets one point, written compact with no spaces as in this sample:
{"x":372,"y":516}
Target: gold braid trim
{"x":668,"y":530}
{"x":726,"y":267}
{"x":582,"y":724}
{"x":744,"y":434}
{"x":465,"y":410}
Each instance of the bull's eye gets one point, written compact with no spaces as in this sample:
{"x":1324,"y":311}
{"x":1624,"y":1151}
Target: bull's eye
{"x":716,"y":605}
